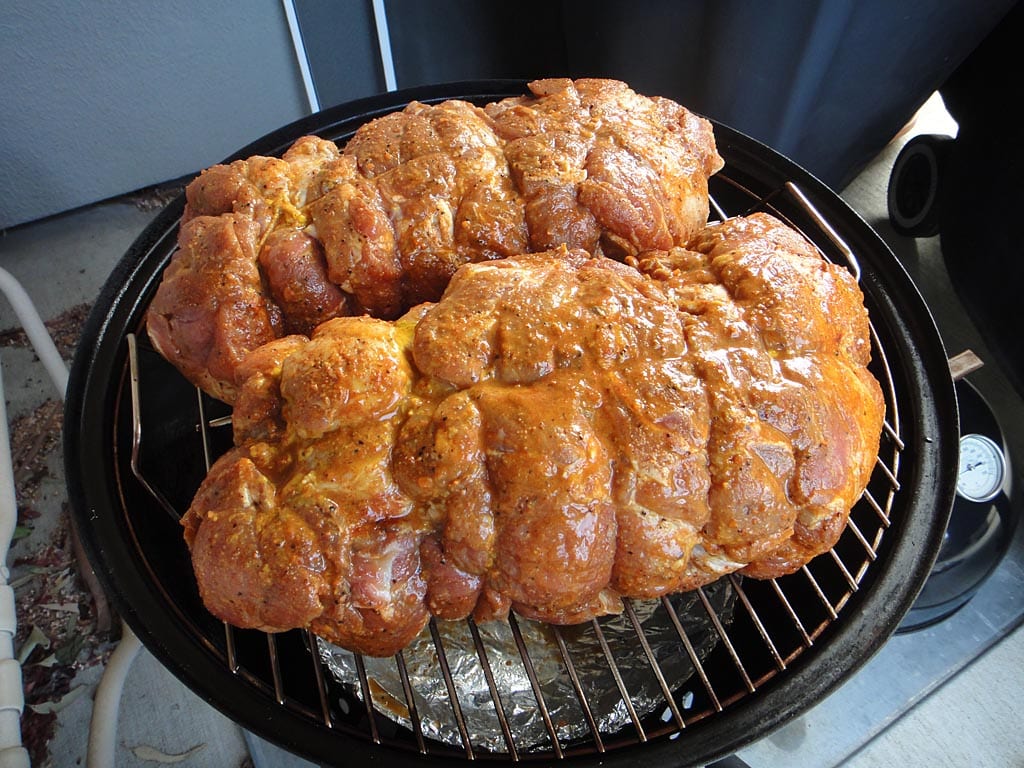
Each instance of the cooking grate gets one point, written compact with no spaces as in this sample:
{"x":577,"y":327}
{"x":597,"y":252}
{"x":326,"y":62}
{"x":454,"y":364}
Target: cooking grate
{"x":704,"y":674}
{"x":751,"y":645}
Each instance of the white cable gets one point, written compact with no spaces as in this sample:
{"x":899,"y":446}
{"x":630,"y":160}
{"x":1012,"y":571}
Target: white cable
{"x":380,"y":20}
{"x":103,"y":724}
{"x":103,"y":727}
{"x":36,"y":331}
{"x":300,"y":54}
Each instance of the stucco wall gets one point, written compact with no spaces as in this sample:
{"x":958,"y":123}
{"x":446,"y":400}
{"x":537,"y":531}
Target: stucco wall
{"x":102,"y":98}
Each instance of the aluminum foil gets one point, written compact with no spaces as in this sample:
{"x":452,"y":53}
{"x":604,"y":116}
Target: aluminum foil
{"x":593,"y":661}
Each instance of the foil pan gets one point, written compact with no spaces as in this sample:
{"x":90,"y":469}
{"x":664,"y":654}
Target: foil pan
{"x":611,"y":666}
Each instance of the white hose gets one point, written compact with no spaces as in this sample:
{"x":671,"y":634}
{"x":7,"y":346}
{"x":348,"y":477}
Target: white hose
{"x":103,"y":724}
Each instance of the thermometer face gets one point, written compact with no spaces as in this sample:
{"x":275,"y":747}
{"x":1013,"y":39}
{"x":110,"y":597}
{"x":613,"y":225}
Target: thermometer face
{"x":982,"y":466}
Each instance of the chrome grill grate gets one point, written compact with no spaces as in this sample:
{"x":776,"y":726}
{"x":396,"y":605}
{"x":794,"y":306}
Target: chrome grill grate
{"x":769,"y":625}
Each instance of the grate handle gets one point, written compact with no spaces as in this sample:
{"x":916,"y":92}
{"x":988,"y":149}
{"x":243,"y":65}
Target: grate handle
{"x":820,"y":220}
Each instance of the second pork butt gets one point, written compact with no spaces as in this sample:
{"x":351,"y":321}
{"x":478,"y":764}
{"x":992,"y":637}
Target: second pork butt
{"x":271,"y":246}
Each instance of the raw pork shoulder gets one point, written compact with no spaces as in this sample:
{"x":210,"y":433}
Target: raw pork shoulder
{"x":559,"y":431}
{"x":273,"y":246}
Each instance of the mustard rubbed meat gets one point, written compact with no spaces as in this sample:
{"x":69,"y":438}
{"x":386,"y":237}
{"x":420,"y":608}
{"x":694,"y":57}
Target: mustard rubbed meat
{"x":275,"y":246}
{"x":558,"y":431}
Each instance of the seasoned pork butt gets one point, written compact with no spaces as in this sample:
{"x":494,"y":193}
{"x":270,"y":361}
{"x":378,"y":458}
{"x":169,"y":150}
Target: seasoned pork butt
{"x":557,"y":432}
{"x":272,"y":246}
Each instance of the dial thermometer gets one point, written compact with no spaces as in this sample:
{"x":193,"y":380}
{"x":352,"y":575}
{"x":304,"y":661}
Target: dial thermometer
{"x":982,"y":468}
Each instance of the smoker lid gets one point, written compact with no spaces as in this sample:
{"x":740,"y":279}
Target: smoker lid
{"x":799,"y":637}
